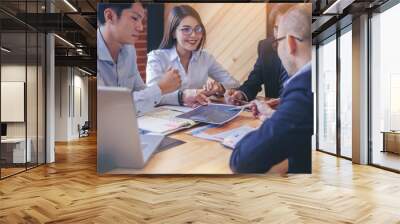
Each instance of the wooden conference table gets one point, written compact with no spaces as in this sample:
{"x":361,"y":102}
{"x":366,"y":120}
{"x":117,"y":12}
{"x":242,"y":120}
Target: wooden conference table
{"x":195,"y":156}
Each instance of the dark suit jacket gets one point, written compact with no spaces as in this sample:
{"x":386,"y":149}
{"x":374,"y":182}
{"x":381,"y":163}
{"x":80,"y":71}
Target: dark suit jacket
{"x":268,"y":70}
{"x":287,"y":134}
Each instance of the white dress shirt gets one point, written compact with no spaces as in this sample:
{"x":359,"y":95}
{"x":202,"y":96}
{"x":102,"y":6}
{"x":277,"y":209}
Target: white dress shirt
{"x":201,"y":66}
{"x":124,"y":73}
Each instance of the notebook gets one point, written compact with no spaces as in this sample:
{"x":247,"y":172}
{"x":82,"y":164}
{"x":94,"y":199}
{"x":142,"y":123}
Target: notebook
{"x":163,"y":121}
{"x":228,"y":138}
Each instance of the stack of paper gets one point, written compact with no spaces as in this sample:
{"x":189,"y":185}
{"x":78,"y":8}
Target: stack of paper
{"x":228,"y":138}
{"x":163,"y":121}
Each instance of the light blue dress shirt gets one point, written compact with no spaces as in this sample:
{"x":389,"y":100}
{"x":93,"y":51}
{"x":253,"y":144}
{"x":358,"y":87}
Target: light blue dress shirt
{"x":201,"y":66}
{"x":305,"y":67}
{"x":124,"y":73}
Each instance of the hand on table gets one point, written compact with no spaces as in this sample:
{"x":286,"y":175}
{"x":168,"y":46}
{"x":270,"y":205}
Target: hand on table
{"x":273,"y":102}
{"x":195,"y":97}
{"x":261,"y":109}
{"x":213,"y":88}
{"x":234,"y":97}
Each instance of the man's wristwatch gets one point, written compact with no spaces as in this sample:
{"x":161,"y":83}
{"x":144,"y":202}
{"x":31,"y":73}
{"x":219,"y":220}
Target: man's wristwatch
{"x":180,"y":97}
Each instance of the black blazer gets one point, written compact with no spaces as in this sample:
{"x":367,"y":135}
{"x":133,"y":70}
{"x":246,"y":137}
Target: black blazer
{"x":268,"y":70}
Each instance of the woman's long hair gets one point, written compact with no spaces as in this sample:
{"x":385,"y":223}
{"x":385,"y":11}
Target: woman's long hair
{"x":176,"y":15}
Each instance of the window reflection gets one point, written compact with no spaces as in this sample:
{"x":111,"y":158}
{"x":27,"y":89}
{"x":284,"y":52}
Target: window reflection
{"x":346,"y":94}
{"x":385,"y":87}
{"x":22,"y":80}
{"x":327,"y":97}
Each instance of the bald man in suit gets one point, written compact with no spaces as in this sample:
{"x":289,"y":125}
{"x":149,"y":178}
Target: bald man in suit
{"x":285,"y":134}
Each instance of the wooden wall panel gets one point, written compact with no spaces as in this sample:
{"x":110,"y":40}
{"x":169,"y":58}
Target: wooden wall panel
{"x":233,"y":32}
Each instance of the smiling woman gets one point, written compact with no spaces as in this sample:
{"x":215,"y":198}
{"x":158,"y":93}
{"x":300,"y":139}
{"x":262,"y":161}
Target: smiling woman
{"x":180,"y":19}
{"x":182,"y":49}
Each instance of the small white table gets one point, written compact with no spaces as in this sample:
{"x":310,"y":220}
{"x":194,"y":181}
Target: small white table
{"x":18,"y":149}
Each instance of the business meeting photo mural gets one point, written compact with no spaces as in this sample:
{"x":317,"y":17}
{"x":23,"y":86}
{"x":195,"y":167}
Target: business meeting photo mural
{"x":204,"y":88}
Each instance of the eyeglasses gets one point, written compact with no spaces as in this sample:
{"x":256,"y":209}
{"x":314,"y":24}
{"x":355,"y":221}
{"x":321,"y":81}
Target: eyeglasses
{"x":187,"y":31}
{"x":276,"y":41}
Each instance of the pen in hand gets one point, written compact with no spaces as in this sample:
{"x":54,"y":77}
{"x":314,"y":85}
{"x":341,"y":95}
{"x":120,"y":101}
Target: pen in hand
{"x":241,"y":101}
{"x":245,"y":106}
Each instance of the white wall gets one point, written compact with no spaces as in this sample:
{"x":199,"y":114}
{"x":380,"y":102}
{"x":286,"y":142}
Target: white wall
{"x":314,"y":90}
{"x":71,"y":93}
{"x":33,"y":127}
{"x":62,"y":81}
{"x":12,"y":73}
{"x":80,"y":110}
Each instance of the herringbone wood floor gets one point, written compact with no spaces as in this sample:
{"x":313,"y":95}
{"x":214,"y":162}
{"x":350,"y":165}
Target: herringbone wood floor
{"x":70,"y":191}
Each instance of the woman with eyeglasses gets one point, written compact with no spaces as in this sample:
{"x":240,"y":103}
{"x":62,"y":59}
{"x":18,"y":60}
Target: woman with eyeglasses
{"x":181,"y":49}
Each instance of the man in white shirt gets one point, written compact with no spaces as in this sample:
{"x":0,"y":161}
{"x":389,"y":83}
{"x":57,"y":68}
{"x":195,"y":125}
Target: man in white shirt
{"x":119,"y":28}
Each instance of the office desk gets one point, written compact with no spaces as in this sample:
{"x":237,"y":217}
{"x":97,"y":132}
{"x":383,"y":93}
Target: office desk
{"x":196,"y":156}
{"x":13,"y":150}
{"x":391,"y":141}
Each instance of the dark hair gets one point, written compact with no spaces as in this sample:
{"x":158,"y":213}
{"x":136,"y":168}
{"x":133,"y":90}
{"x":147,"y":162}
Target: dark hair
{"x":116,"y":7}
{"x":176,"y":15}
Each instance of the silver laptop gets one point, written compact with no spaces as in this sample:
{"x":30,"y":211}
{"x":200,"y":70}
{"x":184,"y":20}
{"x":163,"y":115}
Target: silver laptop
{"x":119,"y":145}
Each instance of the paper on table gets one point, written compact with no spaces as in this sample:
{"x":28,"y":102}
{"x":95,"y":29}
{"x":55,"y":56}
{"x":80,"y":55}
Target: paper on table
{"x":163,"y":121}
{"x":153,"y":124}
{"x":178,"y":108}
{"x":233,"y":137}
{"x":228,"y":138}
